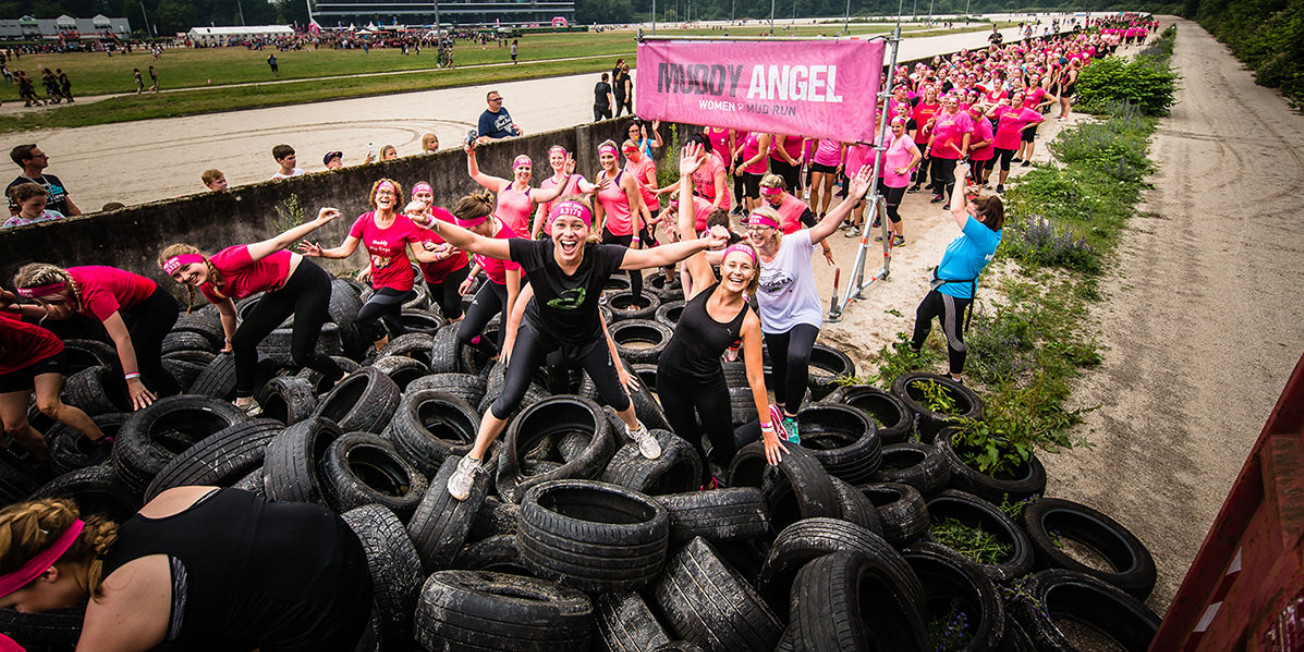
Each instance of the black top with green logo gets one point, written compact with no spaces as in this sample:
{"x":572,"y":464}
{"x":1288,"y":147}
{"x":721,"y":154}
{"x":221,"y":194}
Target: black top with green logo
{"x":565,"y":308}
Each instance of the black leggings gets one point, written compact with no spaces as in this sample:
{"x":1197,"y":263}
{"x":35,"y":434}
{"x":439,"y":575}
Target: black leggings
{"x":921,"y":173}
{"x":528,"y":354}
{"x":446,"y":294}
{"x":943,"y":171}
{"x":1006,"y":155}
{"x":686,"y":399}
{"x":148,"y":322}
{"x":790,"y":360}
{"x":384,"y":306}
{"x":892,"y":198}
{"x":951,"y":311}
{"x":307,"y":296}
{"x":791,"y":174}
{"x":635,"y":275}
{"x":489,"y":300}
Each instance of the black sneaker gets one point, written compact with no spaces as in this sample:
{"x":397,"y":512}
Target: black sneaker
{"x":1015,"y":159}
{"x":936,"y":199}
{"x":1000,"y":189}
{"x":912,"y":189}
{"x":1025,"y":164}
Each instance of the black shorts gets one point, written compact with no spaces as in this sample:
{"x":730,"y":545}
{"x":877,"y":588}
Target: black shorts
{"x":820,"y":167}
{"x":24,"y":380}
{"x":1029,"y":135}
{"x":752,"y":185}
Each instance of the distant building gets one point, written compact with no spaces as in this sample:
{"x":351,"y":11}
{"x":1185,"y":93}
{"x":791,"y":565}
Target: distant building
{"x":212,"y":36}
{"x":332,"y":13}
{"x":67,"y":27}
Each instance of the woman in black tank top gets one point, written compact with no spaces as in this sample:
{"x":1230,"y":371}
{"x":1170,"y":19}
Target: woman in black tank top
{"x":690,"y":381}
{"x":199,"y":568}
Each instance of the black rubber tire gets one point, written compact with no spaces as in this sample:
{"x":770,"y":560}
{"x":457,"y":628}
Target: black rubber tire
{"x":446,"y":351}
{"x":626,"y":624}
{"x":288,"y":399}
{"x":918,"y":465}
{"x":478,"y":610}
{"x":96,"y":390}
{"x":807,"y":493}
{"x":650,"y":333}
{"x":343,"y":310}
{"x":1088,"y":601}
{"x":96,"y":490}
{"x":551,"y":419}
{"x":186,"y":341}
{"x":429,"y":426}
{"x":183,"y":371}
{"x":144,"y":444}
{"x":427,"y":321}
{"x":290,"y":463}
{"x":220,"y":459}
{"x":707,"y":603}
{"x":678,"y":469}
{"x":827,"y":364}
{"x":207,"y":323}
{"x":394,"y":567}
{"x":218,"y":378}
{"x":56,"y":630}
{"x":894,"y":420}
{"x":277,"y":344}
{"x":968,"y":404}
{"x":842,"y":438}
{"x":951,"y":579}
{"x":1029,"y":480}
{"x":668,"y":312}
{"x":856,"y":508}
{"x":641,"y":398}
{"x":494,"y":517}
{"x":851,"y":600}
{"x":592,"y":536}
{"x":901,"y":510}
{"x":1016,"y":638}
{"x":441,"y":523}
{"x":413,"y":345}
{"x":202,"y":358}
{"x":499,"y":554}
{"x":656,"y":284}
{"x":83,"y":354}
{"x":318,"y":380}
{"x":365,"y":469}
{"x":254,"y":483}
{"x":401,"y":369}
{"x":364,"y":400}
{"x":731,"y":514}
{"x":1132,"y":567}
{"x":677,"y":646}
{"x":645,"y":307}
{"x":812,"y":538}
{"x":70,"y":450}
{"x":467,"y":387}
{"x":976,"y":512}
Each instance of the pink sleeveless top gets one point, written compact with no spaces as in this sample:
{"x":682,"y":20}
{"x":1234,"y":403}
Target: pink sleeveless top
{"x":615,"y":207}
{"x":514,"y":209}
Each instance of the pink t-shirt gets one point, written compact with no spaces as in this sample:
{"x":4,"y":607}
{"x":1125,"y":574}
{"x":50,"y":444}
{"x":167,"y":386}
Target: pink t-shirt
{"x":495,"y":269}
{"x":1010,"y":128}
{"x":898,"y":156}
{"x":514,"y":208}
{"x":23,"y":344}
{"x":791,"y":144}
{"x":437,"y":271}
{"x":948,"y":134}
{"x":615,"y":207}
{"x":387,"y":248}
{"x":751,"y":147}
{"x":106,"y":290}
{"x":640,"y":172}
{"x":1033,"y":97}
{"x":791,"y":210}
{"x":704,"y":180}
{"x":857,"y":157}
{"x":829,"y":152}
{"x":702,"y":209}
{"x":982,"y":131}
{"x":243,"y":276}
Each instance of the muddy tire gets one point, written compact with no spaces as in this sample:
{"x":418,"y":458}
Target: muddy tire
{"x":732,"y":514}
{"x":429,"y":426}
{"x":894,"y":420}
{"x":290,"y":463}
{"x":677,"y":470}
{"x":974,"y":512}
{"x":951,"y":579}
{"x":551,"y":419}
{"x":901,"y":510}
{"x":463,"y":610}
{"x":968,"y":405}
{"x":364,"y":400}
{"x":441,"y":523}
{"x":843,"y":439}
{"x":153,"y":436}
{"x":851,"y":600}
{"x":394,"y":567}
{"x":1132,"y":567}
{"x":707,"y":603}
{"x":220,"y":460}
{"x":1060,"y":593}
{"x":626,"y":624}
{"x":365,"y":469}
{"x":288,"y":399}
{"x":918,"y":465}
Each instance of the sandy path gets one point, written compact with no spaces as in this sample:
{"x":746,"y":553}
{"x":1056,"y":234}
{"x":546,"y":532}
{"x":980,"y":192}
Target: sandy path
{"x":1202,"y":319}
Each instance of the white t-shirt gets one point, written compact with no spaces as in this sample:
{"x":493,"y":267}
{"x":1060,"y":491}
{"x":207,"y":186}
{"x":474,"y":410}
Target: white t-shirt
{"x":787,"y":293}
{"x":281,"y":175}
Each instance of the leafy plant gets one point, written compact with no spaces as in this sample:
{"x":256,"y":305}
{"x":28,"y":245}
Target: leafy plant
{"x":979,"y":545}
{"x":949,"y":631}
{"x":935,"y":396}
{"x":288,"y":214}
{"x":1015,"y":510}
{"x":981,"y":446}
{"x":1145,"y":81}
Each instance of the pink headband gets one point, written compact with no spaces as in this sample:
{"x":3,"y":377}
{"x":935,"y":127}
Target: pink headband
{"x":608,"y":149}
{"x":521,"y":160}
{"x":42,"y":561}
{"x":751,"y":253}
{"x":174,"y":263}
{"x":41,"y":290}
{"x":771,"y":192}
{"x":557,"y":148}
{"x":571,"y":209}
{"x":468,"y":223}
{"x":759,"y":219}
{"x":422,"y":185}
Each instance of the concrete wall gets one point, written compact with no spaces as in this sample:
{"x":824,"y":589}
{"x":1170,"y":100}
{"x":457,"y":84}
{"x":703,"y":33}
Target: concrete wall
{"x":131,"y":238}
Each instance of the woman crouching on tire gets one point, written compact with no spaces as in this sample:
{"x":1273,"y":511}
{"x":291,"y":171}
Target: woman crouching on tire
{"x":791,"y":310}
{"x":690,"y":380}
{"x":293,"y":286}
{"x":567,"y":274}
{"x":197,"y":567}
{"x":135,"y":311}
{"x":955,"y":279}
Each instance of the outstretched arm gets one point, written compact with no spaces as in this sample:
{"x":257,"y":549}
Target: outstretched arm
{"x":668,"y":254}
{"x":260,"y":250}
{"x":489,"y":182}
{"x":473,"y":243}
{"x":958,"y":198}
{"x":690,"y":158}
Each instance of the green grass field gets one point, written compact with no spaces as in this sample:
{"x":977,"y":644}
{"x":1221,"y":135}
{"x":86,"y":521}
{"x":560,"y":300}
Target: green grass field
{"x":325,"y":74}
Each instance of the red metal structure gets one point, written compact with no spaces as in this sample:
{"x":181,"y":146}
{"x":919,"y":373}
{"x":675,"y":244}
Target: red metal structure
{"x":1245,"y":590}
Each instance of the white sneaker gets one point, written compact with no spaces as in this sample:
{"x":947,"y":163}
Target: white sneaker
{"x":647,"y":444}
{"x":459,"y":485}
{"x":251,"y":409}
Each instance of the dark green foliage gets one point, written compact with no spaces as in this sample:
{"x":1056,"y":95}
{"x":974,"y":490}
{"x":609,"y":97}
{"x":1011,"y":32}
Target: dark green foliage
{"x":1143,"y":81}
{"x":1268,"y":35}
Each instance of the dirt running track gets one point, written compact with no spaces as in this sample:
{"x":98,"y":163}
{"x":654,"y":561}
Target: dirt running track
{"x":1204,"y":319}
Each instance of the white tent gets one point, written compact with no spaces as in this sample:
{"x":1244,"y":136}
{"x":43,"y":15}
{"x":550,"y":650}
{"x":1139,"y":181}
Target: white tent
{"x":219,"y":35}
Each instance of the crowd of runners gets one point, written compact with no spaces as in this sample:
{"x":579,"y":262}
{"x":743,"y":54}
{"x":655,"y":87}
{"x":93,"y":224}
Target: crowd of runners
{"x":734,"y":230}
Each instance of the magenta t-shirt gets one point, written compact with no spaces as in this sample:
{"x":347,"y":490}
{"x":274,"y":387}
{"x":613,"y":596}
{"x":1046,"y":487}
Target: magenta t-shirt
{"x":494,"y":268}
{"x":106,"y":290}
{"x":982,"y":131}
{"x":1009,"y":129}
{"x":704,"y":180}
{"x":898,"y":156}
{"x":243,"y":276}
{"x":387,"y":249}
{"x":437,"y":271}
{"x":948,"y":134}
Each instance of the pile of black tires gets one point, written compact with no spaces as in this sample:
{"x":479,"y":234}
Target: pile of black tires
{"x":574,"y":541}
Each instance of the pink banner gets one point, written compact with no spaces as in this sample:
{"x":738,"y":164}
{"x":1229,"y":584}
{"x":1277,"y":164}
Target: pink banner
{"x":823,"y":88}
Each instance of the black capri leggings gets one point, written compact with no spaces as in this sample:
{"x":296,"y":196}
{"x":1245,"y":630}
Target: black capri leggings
{"x":1006,"y":155}
{"x":384,"y":306}
{"x":307,"y":296}
{"x":528,"y":354}
{"x":790,"y":360}
{"x":951,"y":311}
{"x":490,"y":300}
{"x":685,"y":399}
{"x":445,"y":293}
{"x":635,"y":275}
{"x":943,"y":171}
{"x":148,"y":322}
{"x":892,"y":197}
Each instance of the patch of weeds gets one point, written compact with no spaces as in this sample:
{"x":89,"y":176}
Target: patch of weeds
{"x":949,"y":631}
{"x":979,"y":545}
{"x":896,"y":358}
{"x":289,"y":214}
{"x":1016,"y":592}
{"x":893,"y":311}
{"x":935,"y":396}
{"x":989,"y":451}
{"x":1015,"y":510}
